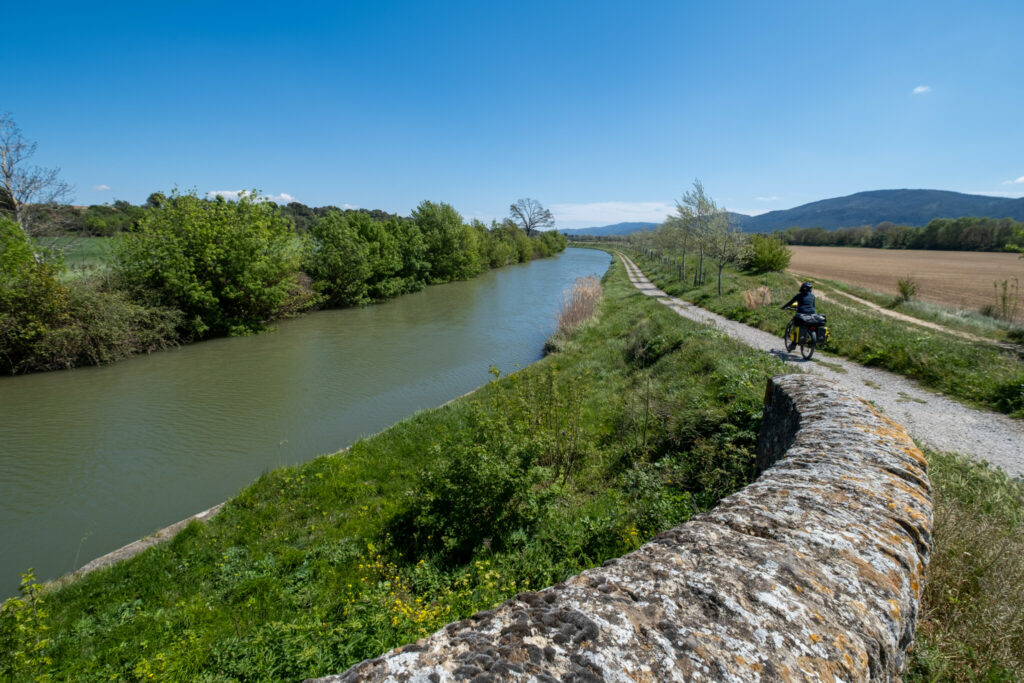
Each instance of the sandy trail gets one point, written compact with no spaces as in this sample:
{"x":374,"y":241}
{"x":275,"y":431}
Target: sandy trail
{"x":933,"y":420}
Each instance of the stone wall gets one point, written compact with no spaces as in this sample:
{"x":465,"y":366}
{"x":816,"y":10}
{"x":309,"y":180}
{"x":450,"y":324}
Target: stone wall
{"x":813,"y":572}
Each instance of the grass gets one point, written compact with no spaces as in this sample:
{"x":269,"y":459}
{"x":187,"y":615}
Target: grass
{"x":82,"y":255}
{"x":972,"y":626}
{"x":972,"y":372}
{"x":960,"y":319}
{"x":639,"y":421}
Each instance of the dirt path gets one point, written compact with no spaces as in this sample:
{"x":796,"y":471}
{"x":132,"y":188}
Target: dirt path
{"x":932,"y":419}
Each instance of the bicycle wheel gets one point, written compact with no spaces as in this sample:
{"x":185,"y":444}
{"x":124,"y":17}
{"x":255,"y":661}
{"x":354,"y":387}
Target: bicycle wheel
{"x":807,"y":345}
{"x":789,"y":338}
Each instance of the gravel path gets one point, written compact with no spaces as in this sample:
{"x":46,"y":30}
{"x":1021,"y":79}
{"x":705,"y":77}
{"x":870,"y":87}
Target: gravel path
{"x":933,"y":420}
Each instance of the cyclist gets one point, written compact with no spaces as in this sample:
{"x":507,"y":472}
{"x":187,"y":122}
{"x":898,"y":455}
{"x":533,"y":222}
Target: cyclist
{"x":804,"y":301}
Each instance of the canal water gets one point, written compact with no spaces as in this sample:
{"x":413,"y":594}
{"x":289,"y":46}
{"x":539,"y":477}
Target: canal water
{"x":94,"y":458}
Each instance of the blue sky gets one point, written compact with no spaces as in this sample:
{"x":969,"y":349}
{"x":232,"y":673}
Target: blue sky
{"x":602,"y":111}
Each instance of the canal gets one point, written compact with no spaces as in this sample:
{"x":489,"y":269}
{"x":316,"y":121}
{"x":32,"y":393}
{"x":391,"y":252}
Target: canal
{"x":93,"y":458}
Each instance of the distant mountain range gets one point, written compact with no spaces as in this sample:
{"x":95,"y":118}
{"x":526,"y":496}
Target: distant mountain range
{"x":903,"y":207}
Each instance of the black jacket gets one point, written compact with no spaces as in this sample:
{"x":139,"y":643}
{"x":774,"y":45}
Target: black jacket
{"x":804,"y":302}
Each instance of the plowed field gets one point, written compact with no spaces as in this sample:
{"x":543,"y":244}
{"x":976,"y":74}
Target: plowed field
{"x":960,"y":279}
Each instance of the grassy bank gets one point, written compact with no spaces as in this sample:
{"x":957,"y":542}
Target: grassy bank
{"x":973,"y":372}
{"x":639,"y":420}
{"x":972,"y":626}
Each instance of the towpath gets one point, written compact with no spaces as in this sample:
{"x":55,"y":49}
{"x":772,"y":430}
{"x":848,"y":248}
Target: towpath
{"x":933,"y":420}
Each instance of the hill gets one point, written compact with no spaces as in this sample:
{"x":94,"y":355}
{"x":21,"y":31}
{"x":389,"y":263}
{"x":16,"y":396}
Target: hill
{"x":903,"y":207}
{"x":616,"y":229}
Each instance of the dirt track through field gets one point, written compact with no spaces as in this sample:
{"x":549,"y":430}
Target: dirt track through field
{"x":959,"y":279}
{"x":933,"y":420}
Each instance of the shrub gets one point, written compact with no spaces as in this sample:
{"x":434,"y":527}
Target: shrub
{"x":907,"y":288}
{"x":765,"y":254}
{"x":475,"y":495}
{"x":229,"y":267}
{"x":32,"y":301}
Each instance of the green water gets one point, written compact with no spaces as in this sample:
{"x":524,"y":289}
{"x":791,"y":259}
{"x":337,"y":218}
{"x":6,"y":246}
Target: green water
{"x":93,"y":458}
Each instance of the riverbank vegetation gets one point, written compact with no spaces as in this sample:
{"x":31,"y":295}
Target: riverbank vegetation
{"x":190,"y":268}
{"x":640,"y":420}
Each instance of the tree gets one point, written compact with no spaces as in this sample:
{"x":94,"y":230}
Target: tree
{"x":725,"y":242}
{"x":531,"y":216}
{"x":697,"y":210}
{"x":27,"y":191}
{"x":339,"y":261}
{"x":451,"y":250}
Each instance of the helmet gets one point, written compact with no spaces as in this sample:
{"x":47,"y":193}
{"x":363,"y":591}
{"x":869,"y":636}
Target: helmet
{"x":806,"y":287}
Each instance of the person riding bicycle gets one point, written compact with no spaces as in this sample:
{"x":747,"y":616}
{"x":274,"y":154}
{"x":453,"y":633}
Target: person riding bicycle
{"x":804,"y":301}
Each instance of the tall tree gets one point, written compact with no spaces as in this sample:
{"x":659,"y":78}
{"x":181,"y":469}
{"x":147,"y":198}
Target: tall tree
{"x":725,"y":242}
{"x":27,"y":191}
{"x":698,"y":210}
{"x":531,"y":216}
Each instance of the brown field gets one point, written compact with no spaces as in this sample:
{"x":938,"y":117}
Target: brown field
{"x":959,"y":279}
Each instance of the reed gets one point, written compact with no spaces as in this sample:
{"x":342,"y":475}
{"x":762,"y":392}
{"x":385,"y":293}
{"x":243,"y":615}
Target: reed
{"x":579,"y":303}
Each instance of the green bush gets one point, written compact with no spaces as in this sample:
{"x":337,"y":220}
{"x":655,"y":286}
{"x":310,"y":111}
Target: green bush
{"x":479,"y":492}
{"x":229,"y":267}
{"x":32,"y":300}
{"x":764,"y":254}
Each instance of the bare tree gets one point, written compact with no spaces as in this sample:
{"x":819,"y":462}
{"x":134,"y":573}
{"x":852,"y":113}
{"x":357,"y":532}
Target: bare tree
{"x":26,"y":191}
{"x":531,"y":216}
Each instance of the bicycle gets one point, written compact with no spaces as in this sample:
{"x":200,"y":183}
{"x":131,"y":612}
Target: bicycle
{"x":805,"y":336}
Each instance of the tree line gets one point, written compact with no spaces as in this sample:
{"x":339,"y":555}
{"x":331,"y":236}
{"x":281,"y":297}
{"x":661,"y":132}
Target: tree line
{"x":969,"y":233}
{"x":189,"y":268}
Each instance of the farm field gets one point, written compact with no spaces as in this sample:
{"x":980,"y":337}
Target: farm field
{"x":961,"y":279}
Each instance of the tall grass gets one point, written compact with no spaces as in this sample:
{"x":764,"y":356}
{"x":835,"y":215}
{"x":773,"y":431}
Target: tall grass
{"x":754,"y":299}
{"x":579,"y":303}
{"x":972,"y":626}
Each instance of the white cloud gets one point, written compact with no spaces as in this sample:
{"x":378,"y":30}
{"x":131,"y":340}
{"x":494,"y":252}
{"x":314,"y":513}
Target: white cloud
{"x":996,"y":193}
{"x":101,"y":188}
{"x":607,"y":213}
{"x":1018,"y":181}
{"x":234,"y":195}
{"x":768,"y":199}
{"x":922,"y":89}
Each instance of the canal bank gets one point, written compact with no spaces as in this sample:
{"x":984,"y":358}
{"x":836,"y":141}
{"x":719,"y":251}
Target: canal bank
{"x":96,"y":457}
